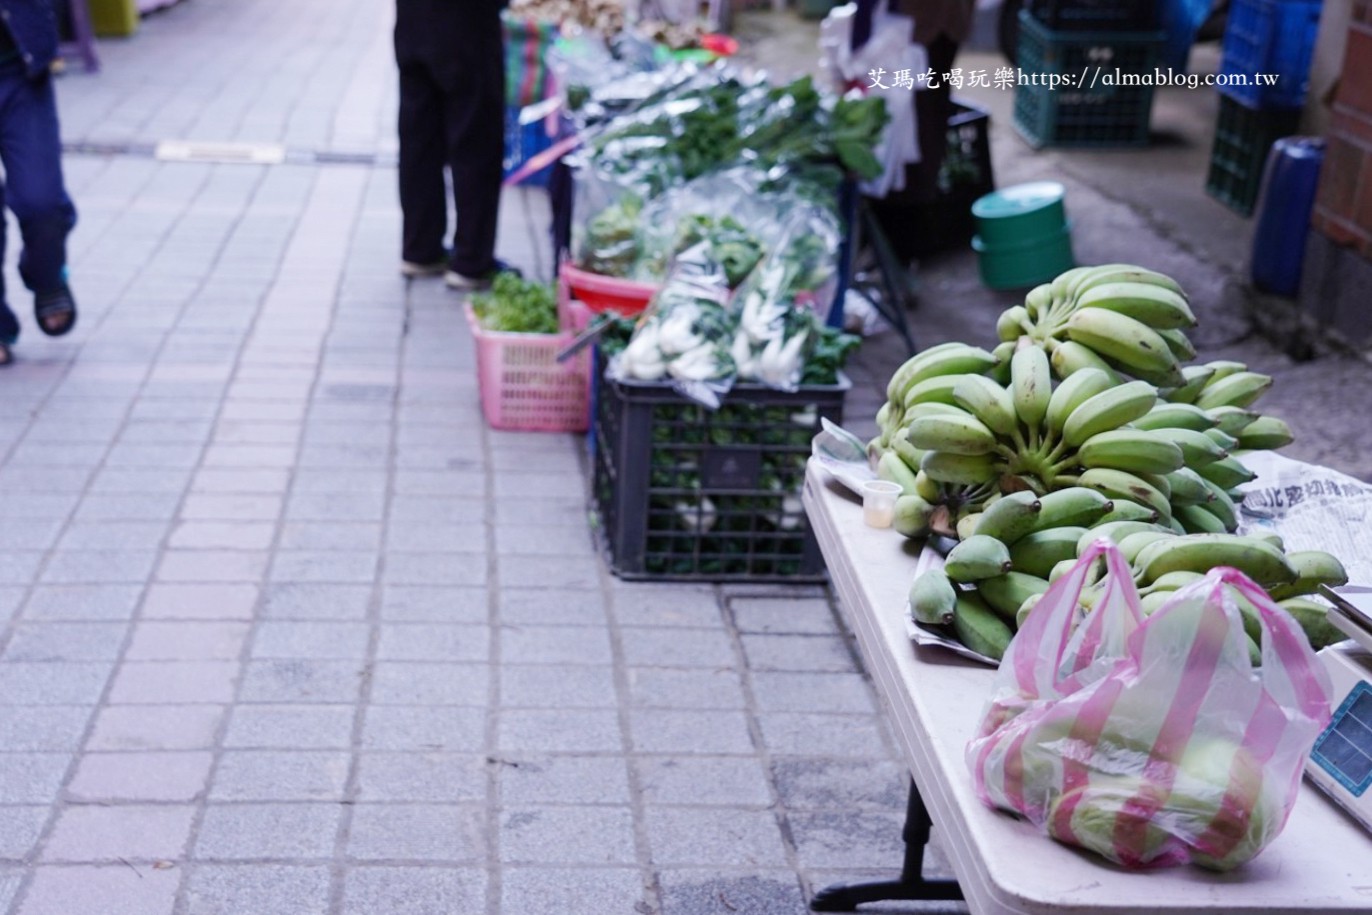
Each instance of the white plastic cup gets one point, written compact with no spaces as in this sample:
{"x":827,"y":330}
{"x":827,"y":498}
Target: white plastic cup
{"x":879,"y":502}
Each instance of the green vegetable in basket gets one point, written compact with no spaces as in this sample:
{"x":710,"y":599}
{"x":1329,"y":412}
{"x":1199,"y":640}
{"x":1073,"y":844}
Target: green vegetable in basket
{"x":518,"y":306}
{"x":611,"y":244}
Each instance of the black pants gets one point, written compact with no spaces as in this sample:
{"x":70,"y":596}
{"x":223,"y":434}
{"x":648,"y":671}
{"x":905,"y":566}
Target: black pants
{"x":452,"y":113}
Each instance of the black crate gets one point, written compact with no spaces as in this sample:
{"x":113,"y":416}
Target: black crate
{"x":1087,"y":113}
{"x":688,"y":494}
{"x":1095,"y":15}
{"x":1243,"y":138}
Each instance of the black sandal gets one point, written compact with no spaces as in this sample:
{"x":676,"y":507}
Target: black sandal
{"x":55,"y":311}
{"x":6,"y":355}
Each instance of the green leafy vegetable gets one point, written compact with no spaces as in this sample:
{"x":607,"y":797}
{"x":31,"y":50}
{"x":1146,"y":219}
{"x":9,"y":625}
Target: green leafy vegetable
{"x":518,"y":306}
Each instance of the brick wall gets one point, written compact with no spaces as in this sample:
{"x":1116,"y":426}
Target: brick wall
{"x":1343,"y":207}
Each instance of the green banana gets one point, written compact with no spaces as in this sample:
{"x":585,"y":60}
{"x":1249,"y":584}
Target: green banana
{"x":1119,"y":485}
{"x":1314,"y":619}
{"x":1127,"y":510}
{"x":1031,"y":382}
{"x":976,"y":558}
{"x":1153,"y":601}
{"x":1010,"y":326}
{"x":1222,"y":438}
{"x":892,"y":468}
{"x":951,"y":434}
{"x":1063,"y":284}
{"x":1194,"y":380}
{"x":1169,"y":415}
{"x":1221,"y":505}
{"x":1126,"y":342}
{"x":1005,"y":593}
{"x":1172,"y":581}
{"x":1110,"y":274}
{"x":1313,"y":568}
{"x":1036,"y":553}
{"x":967,"y":525}
{"x":1061,"y":569}
{"x":1232,"y":420}
{"x":1010,"y":517}
{"x":1179,"y":344}
{"x":1197,"y":520}
{"x":979,"y":628}
{"x":1070,"y":357}
{"x":932,"y":598}
{"x":1227,"y":472}
{"x":1132,"y":544}
{"x":912,"y":516}
{"x":1135,"y":450}
{"x":1222,"y":368}
{"x":1039,"y":300}
{"x":1116,"y":531}
{"x":1109,"y":410}
{"x":1257,"y":559}
{"x":1074,"y":506}
{"x":988,"y":402}
{"x":1158,"y":307}
{"x":1197,"y":448}
{"x":1072,"y":392}
{"x":1025,"y":608}
{"x":1237,"y":390}
{"x":959,"y":468}
{"x":1188,"y":487}
{"x":908,"y":453}
{"x":1265,"y":432}
{"x":926,"y":487}
{"x":944,"y":359}
{"x":938,"y":389}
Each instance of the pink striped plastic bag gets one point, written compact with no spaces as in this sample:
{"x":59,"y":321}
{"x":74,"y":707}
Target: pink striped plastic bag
{"x":1151,"y":740}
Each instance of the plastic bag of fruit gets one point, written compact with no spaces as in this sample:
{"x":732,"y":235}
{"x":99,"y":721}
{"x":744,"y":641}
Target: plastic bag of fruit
{"x":1152,"y":740}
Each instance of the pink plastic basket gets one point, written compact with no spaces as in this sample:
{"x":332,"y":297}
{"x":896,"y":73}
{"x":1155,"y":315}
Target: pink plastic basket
{"x":522,"y":384}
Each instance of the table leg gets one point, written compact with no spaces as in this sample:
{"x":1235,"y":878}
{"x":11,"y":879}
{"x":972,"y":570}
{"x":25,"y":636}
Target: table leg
{"x":844,"y":897}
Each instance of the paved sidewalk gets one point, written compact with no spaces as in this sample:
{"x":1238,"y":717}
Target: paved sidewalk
{"x":290,"y":631}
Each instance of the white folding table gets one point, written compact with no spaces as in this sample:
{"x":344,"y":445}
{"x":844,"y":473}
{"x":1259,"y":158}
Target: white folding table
{"x":933,"y":699}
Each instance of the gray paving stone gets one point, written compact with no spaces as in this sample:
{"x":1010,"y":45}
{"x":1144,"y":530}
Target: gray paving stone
{"x":312,"y":640}
{"x":181,"y":641}
{"x":458,"y":509}
{"x":444,"y":482}
{"x":244,"y":507}
{"x":155,"y":727}
{"x":276,"y":888}
{"x":837,"y":735}
{"x":644,"y":647}
{"x":556,"y":686}
{"x":413,"y":891}
{"x":561,"y":607}
{"x":549,"y":779}
{"x":116,"y":507}
{"x":188,"y":681}
{"x":436,"y":569}
{"x":52,"y":683}
{"x":42,"y":641}
{"x":403,"y":727}
{"x":231,"y":832}
{"x":430,"y":683}
{"x":653,"y":604}
{"x":582,"y":889}
{"x":41,"y":505}
{"x":261,"y":481}
{"x":812,"y":692}
{"x":31,"y":778}
{"x":427,"y":777}
{"x":331,"y":535}
{"x":212,"y":566}
{"x":25,"y":728}
{"x":96,"y":566}
{"x":708,"y":732}
{"x":140,"y":776}
{"x":81,"y":602}
{"x":19,"y":830}
{"x":10,"y":599}
{"x":313,"y":601}
{"x":703,"y":688}
{"x":848,"y":784}
{"x":714,"y":780}
{"x":432,"y":642}
{"x":280,"y":775}
{"x":809,"y":616}
{"x":544,"y":540}
{"x":200,"y":601}
{"x":112,"y":535}
{"x":116,"y":889}
{"x":680,"y":836}
{"x":436,"y":536}
{"x":10,"y":878}
{"x":825,"y":653}
{"x":404,"y":603}
{"x":759,"y":892}
{"x":450,"y":833}
{"x":343,"y":566}
{"x":131,"y":832}
{"x":299,"y":680}
{"x":550,"y":571}
{"x":529,"y":644}
{"x":844,"y":839}
{"x":567,"y":835}
{"x":223,"y":535}
{"x":327,"y":506}
{"x":559,"y":731}
{"x":136,"y":479}
{"x":304,"y":727}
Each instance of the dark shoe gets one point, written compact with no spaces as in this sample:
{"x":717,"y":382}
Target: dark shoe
{"x":465,"y":283}
{"x":6,"y":355}
{"x":417,"y":269}
{"x":55,"y":311}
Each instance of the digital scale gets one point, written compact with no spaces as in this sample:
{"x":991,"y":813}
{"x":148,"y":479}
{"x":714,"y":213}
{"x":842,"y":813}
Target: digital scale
{"x":1341,"y":761}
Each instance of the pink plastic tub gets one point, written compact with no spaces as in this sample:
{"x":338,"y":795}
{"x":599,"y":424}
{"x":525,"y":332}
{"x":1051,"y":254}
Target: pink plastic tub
{"x":522,"y":384}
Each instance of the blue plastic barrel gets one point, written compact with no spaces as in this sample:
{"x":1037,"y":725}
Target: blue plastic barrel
{"x":1284,"y":204}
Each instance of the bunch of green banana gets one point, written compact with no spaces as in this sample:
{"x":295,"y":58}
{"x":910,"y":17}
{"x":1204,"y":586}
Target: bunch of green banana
{"x":1115,"y":317}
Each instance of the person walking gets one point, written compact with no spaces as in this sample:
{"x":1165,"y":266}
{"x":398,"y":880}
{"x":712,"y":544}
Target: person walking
{"x":452,"y":113}
{"x":31,"y":152}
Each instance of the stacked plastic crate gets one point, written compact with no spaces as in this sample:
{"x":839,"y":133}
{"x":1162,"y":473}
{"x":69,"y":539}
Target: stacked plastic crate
{"x":1082,"y":69}
{"x":1264,"y":73}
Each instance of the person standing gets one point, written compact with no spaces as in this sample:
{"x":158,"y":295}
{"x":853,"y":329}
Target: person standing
{"x":452,"y":113}
{"x":31,"y":152}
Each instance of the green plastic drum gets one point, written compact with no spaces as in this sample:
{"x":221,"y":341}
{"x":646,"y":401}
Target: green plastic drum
{"x":1020,"y":265}
{"x":1021,"y":214}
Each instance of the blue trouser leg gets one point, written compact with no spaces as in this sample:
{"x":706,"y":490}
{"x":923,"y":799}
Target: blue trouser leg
{"x":31,"y":150}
